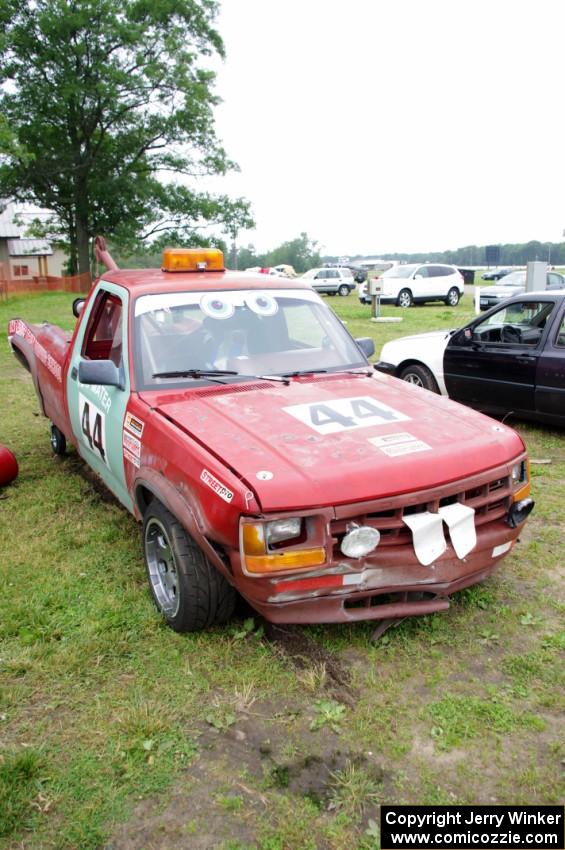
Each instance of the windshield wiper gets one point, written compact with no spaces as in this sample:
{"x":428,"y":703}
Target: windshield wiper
{"x":368,"y":373}
{"x":300,"y":372}
{"x":215,"y":373}
{"x":195,"y":373}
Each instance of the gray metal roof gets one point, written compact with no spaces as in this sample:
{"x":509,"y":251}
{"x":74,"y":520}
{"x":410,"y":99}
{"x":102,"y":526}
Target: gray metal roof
{"x":29,"y":248}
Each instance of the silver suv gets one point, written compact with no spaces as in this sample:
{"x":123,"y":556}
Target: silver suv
{"x":331,"y":281}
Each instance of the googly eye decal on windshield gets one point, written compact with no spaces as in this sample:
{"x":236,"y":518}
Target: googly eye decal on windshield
{"x":216,"y":306}
{"x":261,"y":303}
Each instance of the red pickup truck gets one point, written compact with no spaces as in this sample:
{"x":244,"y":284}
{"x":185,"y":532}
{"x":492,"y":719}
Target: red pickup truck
{"x":234,"y":415}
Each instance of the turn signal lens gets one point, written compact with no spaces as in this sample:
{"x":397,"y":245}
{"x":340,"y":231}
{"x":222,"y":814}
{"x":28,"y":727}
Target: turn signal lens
{"x":253,"y":538}
{"x":296,"y":560}
{"x":258,"y":557}
{"x":522,"y":493}
{"x":521,"y":476}
{"x":193,"y":260}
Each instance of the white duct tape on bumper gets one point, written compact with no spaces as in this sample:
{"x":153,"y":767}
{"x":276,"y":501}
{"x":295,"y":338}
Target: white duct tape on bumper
{"x":427,"y":536}
{"x":460,"y":519}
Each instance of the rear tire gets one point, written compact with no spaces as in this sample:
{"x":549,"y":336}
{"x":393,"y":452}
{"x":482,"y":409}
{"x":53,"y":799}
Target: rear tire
{"x":343,"y":290}
{"x":452,"y":299}
{"x":420,"y":376}
{"x":404,"y":298}
{"x":58,"y":441}
{"x":189,"y":592}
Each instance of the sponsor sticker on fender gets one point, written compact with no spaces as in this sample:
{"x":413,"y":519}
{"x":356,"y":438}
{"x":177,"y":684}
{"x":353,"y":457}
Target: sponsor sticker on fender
{"x":16,"y":326}
{"x":133,"y":424}
{"x":220,"y":489}
{"x":132,"y":448}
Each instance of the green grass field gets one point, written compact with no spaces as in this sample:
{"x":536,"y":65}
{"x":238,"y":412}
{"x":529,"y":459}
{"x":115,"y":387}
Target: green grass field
{"x":116,"y":732}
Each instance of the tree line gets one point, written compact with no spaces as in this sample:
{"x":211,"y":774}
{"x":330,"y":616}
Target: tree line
{"x":476,"y":255}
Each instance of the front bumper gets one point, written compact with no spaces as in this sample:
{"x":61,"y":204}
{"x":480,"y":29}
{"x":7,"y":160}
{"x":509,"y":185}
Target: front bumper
{"x":387,"y":368}
{"x":396,"y":590}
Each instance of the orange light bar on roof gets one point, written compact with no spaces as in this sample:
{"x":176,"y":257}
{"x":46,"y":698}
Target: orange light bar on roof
{"x":193,"y":260}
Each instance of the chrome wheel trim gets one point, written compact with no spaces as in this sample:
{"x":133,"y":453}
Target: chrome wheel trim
{"x":411,"y":378}
{"x":161,"y":567}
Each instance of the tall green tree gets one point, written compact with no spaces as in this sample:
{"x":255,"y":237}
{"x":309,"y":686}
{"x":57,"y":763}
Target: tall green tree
{"x":107,"y":117}
{"x":302,"y":253}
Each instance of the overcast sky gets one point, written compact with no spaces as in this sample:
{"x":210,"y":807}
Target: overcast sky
{"x":395,"y":125}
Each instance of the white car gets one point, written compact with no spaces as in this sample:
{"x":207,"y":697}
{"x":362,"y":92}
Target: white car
{"x":416,"y":283}
{"x":417,"y":359}
{"x":331,"y":281}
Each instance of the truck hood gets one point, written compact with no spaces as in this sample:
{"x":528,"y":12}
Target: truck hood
{"x":336,"y":439}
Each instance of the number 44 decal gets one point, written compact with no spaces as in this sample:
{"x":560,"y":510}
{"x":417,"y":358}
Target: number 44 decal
{"x":344,"y":414}
{"x":93,"y":427}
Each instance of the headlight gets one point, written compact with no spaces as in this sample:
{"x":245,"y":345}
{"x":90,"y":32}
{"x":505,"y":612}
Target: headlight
{"x":519,"y":472}
{"x":283,"y":529}
{"x":263,"y":550}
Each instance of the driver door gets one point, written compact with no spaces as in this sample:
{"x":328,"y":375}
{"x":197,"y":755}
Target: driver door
{"x":492,"y":363}
{"x":97,"y":412}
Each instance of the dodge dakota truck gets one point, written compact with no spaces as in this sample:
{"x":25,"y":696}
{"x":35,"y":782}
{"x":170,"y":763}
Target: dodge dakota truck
{"x":240,"y":423}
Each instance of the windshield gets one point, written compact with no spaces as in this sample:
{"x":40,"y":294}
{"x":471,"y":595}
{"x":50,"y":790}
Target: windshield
{"x":245,"y":332}
{"x":399,"y":271}
{"x":513,"y":279}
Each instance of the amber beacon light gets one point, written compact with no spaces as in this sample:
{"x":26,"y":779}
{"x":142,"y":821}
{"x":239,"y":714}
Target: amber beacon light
{"x":193,"y":260}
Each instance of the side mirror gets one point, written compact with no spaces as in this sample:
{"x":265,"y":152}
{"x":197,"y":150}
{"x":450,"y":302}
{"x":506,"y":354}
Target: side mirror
{"x":463,"y":337}
{"x":418,"y":277}
{"x":101,"y":372}
{"x":367,"y":345}
{"x":78,"y":306}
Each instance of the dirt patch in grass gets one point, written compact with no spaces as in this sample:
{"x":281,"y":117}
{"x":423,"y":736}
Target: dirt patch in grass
{"x":240,"y":776}
{"x":304,"y":653}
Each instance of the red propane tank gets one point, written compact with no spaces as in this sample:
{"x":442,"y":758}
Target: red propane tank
{"x":8,"y":466}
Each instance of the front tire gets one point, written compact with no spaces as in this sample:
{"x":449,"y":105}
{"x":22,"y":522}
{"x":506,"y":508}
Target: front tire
{"x":420,"y":376}
{"x":404,"y":298}
{"x":452,"y":299}
{"x":343,"y":290}
{"x":189,"y":592}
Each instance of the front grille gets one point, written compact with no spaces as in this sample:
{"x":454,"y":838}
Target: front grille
{"x":490,"y":499}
